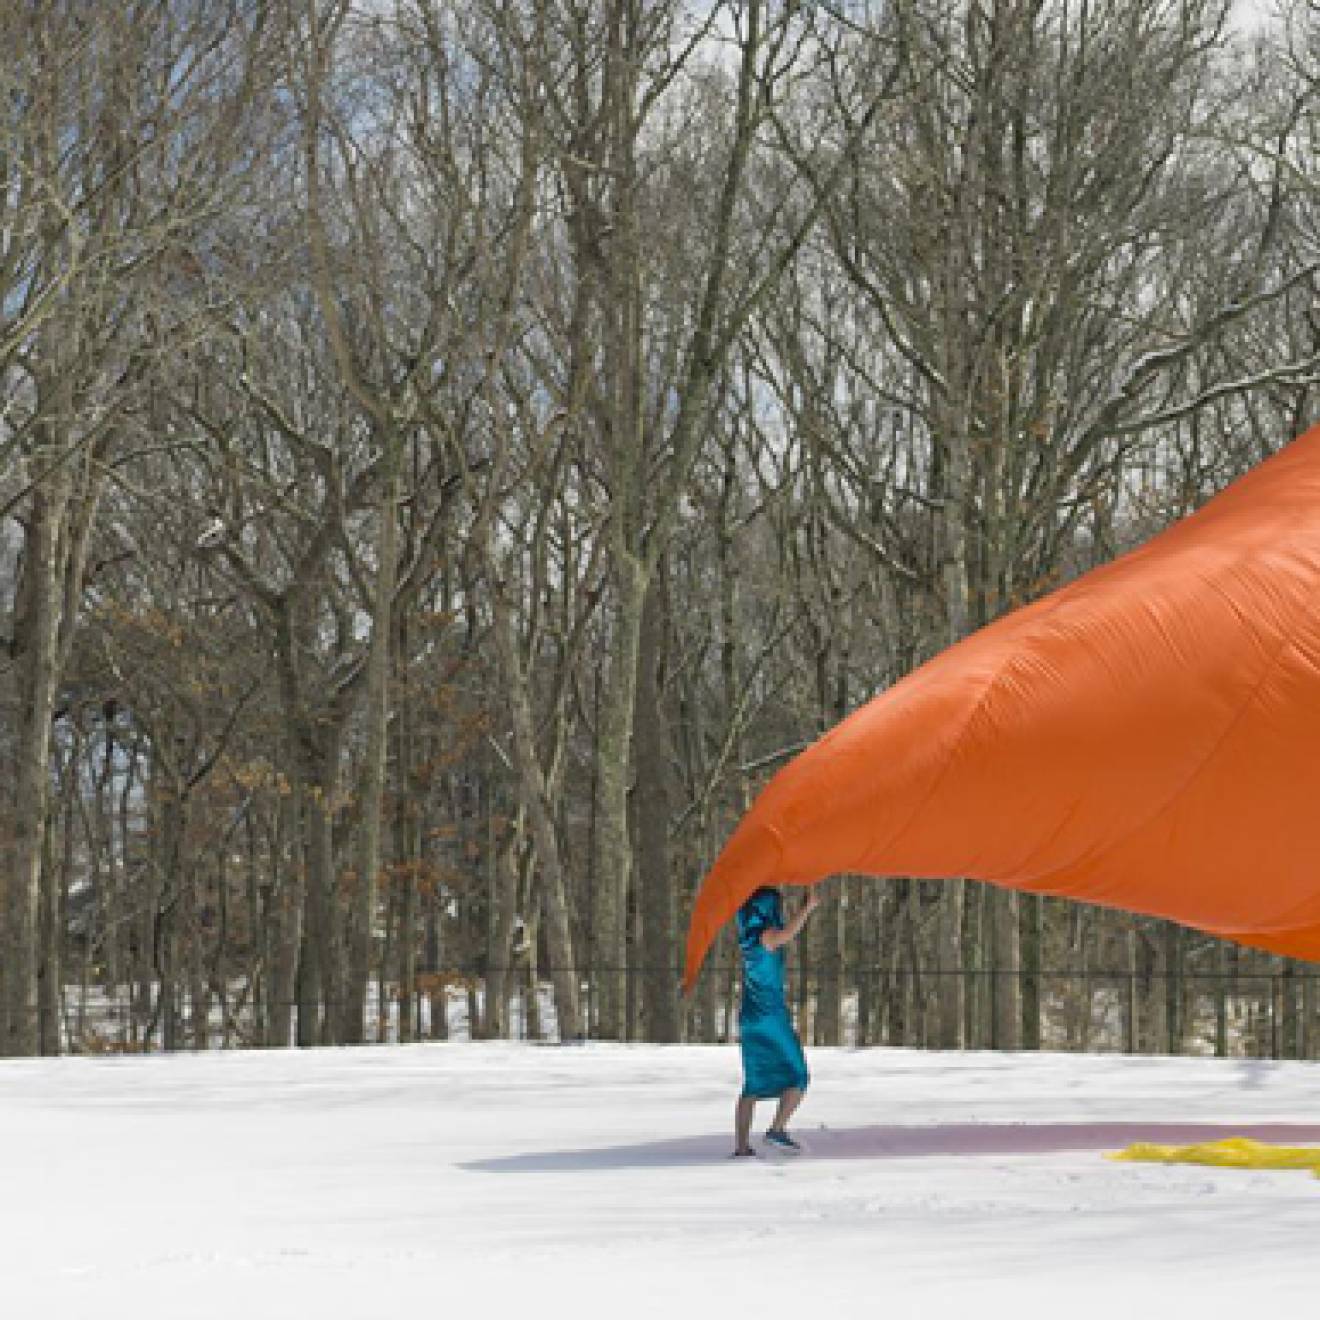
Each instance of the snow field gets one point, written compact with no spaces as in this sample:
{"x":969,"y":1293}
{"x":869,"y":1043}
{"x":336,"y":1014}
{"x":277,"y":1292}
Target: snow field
{"x":592,"y":1181}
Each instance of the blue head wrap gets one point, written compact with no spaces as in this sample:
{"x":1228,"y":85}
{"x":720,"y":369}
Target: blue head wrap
{"x":761,"y":912}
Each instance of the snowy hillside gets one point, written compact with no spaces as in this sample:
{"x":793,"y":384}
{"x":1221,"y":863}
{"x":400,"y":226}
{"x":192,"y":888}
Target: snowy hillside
{"x":593,"y":1182}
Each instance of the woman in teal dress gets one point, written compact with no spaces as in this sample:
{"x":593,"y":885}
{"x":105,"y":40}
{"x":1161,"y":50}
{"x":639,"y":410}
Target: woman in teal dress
{"x":774,"y":1067}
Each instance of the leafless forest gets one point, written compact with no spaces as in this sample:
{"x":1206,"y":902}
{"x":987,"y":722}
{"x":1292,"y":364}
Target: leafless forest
{"x":452,"y":452}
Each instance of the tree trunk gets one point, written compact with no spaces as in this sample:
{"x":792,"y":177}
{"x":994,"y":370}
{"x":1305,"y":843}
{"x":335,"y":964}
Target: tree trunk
{"x":1307,"y":1033}
{"x":1007,"y":968}
{"x":952,"y":1029}
{"x":829,"y":969}
{"x":50,"y":961}
{"x":711,"y":982}
{"x":495,"y":1023}
{"x":362,"y":923}
{"x":613,"y":850}
{"x":37,"y":631}
{"x":536,"y":805}
{"x":285,"y":907}
{"x":1221,"y":1000}
{"x":1289,"y":1019}
{"x":407,"y":852}
{"x":319,"y":988}
{"x":659,"y":967}
{"x":1032,"y":935}
{"x":173,"y":822}
{"x":1155,"y":970}
{"x":1173,"y":987}
{"x":1131,"y":996}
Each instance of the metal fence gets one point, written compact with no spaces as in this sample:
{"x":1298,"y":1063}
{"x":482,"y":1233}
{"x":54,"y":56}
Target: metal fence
{"x":1256,"y":1015}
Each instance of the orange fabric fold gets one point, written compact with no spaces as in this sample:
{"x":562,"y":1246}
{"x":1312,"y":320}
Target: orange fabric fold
{"x":1146,"y":737}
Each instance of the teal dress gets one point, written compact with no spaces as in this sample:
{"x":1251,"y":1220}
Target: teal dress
{"x":772,"y":1055}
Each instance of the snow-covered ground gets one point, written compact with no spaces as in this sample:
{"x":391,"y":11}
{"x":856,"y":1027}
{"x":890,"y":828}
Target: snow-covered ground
{"x":544,"y":1181}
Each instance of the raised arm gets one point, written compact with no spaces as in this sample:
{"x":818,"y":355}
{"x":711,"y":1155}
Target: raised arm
{"x":772,"y":939}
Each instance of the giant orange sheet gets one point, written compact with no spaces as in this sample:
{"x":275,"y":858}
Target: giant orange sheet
{"x":1146,"y":737}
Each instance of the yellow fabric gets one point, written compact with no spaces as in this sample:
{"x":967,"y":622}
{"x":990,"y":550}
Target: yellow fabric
{"x":1231,"y":1153}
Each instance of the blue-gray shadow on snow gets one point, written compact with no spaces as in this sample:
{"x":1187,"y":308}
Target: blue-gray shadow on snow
{"x":905,"y":1142}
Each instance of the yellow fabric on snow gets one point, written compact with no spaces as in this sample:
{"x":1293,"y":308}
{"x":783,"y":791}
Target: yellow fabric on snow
{"x":1231,"y":1153}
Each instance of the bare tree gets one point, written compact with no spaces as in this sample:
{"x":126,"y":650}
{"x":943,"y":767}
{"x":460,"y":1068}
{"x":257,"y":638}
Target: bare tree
{"x":102,"y":200}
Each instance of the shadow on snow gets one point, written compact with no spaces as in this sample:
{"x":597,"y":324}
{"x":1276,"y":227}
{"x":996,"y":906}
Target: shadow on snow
{"x":899,"y":1142}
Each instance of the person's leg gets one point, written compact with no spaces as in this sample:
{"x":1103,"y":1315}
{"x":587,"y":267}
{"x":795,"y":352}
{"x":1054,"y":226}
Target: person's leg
{"x":788,"y":1102}
{"x":742,"y":1124}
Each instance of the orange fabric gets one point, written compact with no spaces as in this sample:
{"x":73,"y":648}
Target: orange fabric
{"x":1146,"y":737}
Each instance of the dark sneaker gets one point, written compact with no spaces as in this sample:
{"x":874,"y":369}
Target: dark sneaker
{"x":782,"y":1141}
{"x":739,"y":1154}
